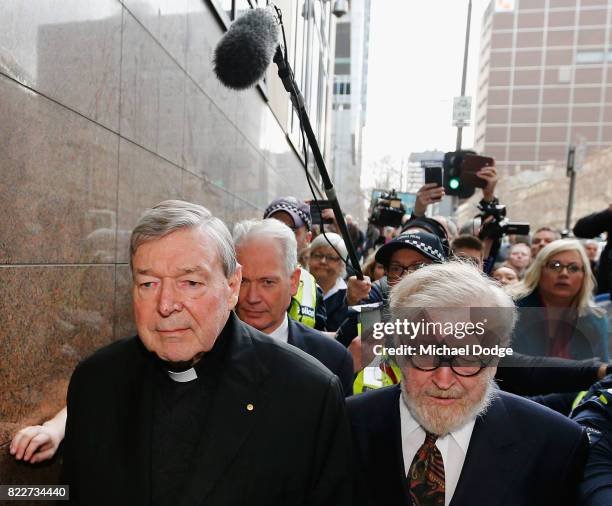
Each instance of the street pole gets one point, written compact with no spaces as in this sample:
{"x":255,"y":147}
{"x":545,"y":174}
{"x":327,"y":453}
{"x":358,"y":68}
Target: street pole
{"x":455,"y":199}
{"x":571,"y":172}
{"x":465,"y":60}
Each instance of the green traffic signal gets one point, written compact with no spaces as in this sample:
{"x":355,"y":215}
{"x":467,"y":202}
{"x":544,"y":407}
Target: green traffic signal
{"x":453,"y":180}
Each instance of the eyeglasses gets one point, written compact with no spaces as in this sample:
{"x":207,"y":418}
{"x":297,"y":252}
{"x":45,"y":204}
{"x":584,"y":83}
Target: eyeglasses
{"x":558,"y":267}
{"x":328,"y":258}
{"x":398,"y":270}
{"x":461,"y":365}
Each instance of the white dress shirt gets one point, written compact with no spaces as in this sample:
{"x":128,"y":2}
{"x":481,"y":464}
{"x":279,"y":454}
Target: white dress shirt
{"x":453,"y":448}
{"x":282,"y":331}
{"x":340,"y":285}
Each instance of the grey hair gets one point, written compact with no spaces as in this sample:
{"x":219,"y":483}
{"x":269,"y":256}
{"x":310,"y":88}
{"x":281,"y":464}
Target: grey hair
{"x":272,"y":229}
{"x":336,"y":240}
{"x":454,"y":284}
{"x":172,"y":215}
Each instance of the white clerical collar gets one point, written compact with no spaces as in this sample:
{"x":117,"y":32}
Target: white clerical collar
{"x":461,"y":436}
{"x":282,"y":331}
{"x":340,"y":285}
{"x":183,"y":376}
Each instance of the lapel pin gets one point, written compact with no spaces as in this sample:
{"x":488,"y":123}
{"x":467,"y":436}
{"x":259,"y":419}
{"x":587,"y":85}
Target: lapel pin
{"x":250,"y":407}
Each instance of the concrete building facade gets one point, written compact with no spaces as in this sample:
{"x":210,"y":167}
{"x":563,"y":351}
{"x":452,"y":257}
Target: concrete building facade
{"x":349,"y":105}
{"x":545,"y":82}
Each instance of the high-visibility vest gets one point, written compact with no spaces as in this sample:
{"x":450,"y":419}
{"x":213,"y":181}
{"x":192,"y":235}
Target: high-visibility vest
{"x":304,"y":302}
{"x":385,"y":374}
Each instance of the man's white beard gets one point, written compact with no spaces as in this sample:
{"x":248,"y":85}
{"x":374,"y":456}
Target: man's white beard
{"x":442,"y":420}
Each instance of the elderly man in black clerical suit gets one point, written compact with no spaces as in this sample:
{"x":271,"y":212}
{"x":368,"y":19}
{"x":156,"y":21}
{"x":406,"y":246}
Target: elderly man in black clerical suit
{"x":446,"y":435}
{"x":200,"y":408}
{"x":267,"y":252}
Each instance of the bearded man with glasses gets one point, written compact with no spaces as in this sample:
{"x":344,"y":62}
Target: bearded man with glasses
{"x":446,"y":433}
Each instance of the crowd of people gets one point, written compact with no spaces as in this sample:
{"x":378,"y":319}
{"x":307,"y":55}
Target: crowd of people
{"x":233,"y":391}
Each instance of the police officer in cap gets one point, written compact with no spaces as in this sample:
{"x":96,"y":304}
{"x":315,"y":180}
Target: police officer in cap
{"x":400,"y":256}
{"x":307,"y":305}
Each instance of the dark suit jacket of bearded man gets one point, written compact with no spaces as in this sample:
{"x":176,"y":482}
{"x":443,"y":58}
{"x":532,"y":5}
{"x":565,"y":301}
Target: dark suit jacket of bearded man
{"x":272,"y":419}
{"x":520,"y":454}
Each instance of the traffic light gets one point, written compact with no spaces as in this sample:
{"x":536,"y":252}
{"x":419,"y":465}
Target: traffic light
{"x":453,"y":185}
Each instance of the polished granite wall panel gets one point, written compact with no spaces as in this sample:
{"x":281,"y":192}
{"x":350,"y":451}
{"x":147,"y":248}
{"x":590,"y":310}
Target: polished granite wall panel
{"x":68,"y":50}
{"x":209,"y":139}
{"x":53,"y":317}
{"x":201,"y":120}
{"x":296,"y":185}
{"x":216,"y":150}
{"x":76,"y":188}
{"x":124,"y":325}
{"x":201,"y":191}
{"x":166,"y":21}
{"x":244,"y":109}
{"x":60,"y":175}
{"x":145,"y":179}
{"x":203,"y":33}
{"x":244,"y":210}
{"x":248,"y":174}
{"x":21,"y":473}
{"x":152,"y":94}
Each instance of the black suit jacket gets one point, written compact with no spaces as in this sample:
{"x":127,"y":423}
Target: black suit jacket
{"x":293,"y":447}
{"x":326,"y":350}
{"x":520,"y":454}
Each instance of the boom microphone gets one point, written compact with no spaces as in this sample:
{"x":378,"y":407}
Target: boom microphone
{"x":241,"y":59}
{"x":244,"y":53}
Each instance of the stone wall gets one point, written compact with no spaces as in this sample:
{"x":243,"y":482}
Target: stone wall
{"x":107,"y":108}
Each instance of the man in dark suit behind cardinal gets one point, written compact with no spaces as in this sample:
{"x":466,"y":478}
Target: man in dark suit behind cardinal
{"x":200,"y":408}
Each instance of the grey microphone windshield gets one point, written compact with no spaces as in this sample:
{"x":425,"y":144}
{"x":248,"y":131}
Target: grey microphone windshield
{"x":246,"y":50}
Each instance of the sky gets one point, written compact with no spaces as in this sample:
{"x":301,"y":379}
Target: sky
{"x":415,"y":64}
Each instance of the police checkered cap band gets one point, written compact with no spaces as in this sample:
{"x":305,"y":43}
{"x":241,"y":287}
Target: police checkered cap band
{"x":427,"y":244}
{"x":295,"y":208}
{"x":424,"y":247}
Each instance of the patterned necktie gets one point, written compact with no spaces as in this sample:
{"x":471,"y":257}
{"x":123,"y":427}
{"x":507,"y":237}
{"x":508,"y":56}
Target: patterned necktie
{"x":426,"y":474}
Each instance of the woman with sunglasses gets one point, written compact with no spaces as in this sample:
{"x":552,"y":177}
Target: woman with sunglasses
{"x":557,"y":315}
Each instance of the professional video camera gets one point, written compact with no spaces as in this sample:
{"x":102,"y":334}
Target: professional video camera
{"x":387,"y":210}
{"x":499,"y":225}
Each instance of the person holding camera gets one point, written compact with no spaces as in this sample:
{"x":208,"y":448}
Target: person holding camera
{"x":359,"y":290}
{"x":431,"y":192}
{"x":591,"y":226}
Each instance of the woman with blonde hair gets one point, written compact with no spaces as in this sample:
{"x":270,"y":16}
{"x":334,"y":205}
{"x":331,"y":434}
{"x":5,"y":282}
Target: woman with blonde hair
{"x":566,"y":323}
